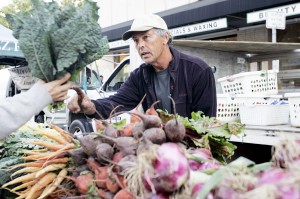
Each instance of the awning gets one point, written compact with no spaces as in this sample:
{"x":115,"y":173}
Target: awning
{"x":243,"y":47}
{"x":10,"y":53}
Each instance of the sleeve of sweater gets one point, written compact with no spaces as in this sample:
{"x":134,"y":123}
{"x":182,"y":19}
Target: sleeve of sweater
{"x":19,"y":109}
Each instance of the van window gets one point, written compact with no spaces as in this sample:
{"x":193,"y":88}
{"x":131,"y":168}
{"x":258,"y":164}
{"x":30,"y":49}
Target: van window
{"x":120,"y":78}
{"x":88,"y":78}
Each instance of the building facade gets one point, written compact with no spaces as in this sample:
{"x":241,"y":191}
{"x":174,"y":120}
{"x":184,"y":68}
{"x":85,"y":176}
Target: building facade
{"x":220,"y":20}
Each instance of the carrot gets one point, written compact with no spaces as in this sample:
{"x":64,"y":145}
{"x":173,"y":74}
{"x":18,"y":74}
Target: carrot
{"x":41,"y":184}
{"x":52,"y":134}
{"x":55,"y":161}
{"x":51,"y":167}
{"x":62,"y":132}
{"x":37,"y":156}
{"x":51,"y":187}
{"x":24,"y":185}
{"x":123,"y":194}
{"x":101,"y":176}
{"x":52,"y":146}
{"x":25,"y":170}
{"x":112,"y":185}
{"x":84,"y":182}
{"x":29,"y":164}
{"x":24,"y":178}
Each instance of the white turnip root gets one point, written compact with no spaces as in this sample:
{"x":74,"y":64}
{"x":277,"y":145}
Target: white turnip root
{"x":155,"y":135}
{"x":174,"y":129}
{"x":162,"y":169}
{"x":104,"y":152}
{"x":127,"y":145}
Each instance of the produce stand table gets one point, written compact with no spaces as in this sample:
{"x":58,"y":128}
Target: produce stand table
{"x":258,"y":142}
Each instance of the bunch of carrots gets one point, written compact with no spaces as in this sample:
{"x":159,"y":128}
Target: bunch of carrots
{"x":45,"y":169}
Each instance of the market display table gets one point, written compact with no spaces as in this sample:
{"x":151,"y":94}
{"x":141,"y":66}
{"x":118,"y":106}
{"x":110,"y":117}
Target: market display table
{"x":258,"y":142}
{"x":267,"y":135}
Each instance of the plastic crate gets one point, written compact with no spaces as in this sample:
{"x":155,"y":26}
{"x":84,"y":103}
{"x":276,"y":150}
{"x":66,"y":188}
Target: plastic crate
{"x":256,"y":82}
{"x":262,"y":115}
{"x":228,"y":105}
{"x":294,"y":108}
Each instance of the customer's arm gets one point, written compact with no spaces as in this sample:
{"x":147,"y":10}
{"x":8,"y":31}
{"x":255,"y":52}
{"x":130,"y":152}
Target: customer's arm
{"x":17,"y":110}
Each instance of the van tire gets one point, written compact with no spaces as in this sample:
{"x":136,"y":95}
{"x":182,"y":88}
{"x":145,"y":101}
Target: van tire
{"x":39,"y":119}
{"x":79,"y":127}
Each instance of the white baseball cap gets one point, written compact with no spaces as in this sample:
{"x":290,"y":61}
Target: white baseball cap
{"x":145,"y":23}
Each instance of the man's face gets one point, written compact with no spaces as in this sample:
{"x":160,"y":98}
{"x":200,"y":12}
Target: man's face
{"x":149,"y":45}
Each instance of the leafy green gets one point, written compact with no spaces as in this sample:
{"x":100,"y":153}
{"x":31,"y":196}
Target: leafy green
{"x":56,"y":40}
{"x":14,"y":144}
{"x":208,"y":132}
{"x":4,"y":171}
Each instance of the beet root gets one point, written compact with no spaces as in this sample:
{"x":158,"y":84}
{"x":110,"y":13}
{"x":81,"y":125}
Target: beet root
{"x":79,"y":156}
{"x":127,"y":145}
{"x":149,"y":121}
{"x":155,"y":135}
{"x":175,"y":130}
{"x":89,"y":143}
{"x":104,"y":152}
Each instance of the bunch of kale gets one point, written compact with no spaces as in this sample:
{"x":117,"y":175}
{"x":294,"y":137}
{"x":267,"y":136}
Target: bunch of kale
{"x":56,"y":40}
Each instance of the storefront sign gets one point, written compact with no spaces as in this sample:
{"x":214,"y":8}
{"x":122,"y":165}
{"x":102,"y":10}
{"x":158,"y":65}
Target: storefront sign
{"x":200,"y":27}
{"x":289,"y":10}
{"x":10,"y":48}
{"x":183,"y":30}
{"x":22,"y":77}
{"x":118,"y":44}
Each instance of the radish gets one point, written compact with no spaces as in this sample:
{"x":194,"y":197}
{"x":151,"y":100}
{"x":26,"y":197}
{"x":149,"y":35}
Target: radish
{"x":174,"y":129}
{"x":128,"y":145}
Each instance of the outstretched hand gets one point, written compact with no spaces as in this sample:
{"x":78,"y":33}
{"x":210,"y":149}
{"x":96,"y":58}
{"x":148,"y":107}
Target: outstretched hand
{"x":80,"y":103}
{"x":58,"y":89}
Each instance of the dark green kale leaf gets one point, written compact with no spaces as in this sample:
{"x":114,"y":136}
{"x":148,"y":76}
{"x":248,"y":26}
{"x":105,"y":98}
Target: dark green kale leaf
{"x":56,"y":40}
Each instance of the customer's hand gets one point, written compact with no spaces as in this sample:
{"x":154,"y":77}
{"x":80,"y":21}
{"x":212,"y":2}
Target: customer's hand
{"x":80,"y":103}
{"x":58,"y":89}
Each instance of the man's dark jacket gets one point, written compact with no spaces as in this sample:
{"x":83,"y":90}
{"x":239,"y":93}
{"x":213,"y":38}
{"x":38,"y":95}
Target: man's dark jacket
{"x":192,"y":87}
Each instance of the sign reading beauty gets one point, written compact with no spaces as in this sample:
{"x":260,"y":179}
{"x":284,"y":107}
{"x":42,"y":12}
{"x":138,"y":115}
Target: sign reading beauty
{"x":289,"y":10}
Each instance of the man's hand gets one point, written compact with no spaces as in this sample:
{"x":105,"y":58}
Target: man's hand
{"x":80,"y":103}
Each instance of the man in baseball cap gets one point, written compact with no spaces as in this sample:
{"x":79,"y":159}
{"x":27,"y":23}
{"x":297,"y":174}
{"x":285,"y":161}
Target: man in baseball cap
{"x":166,"y":73}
